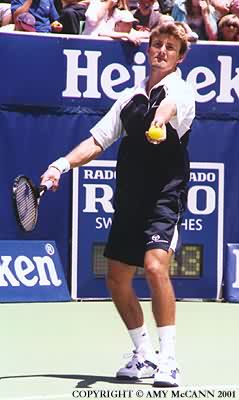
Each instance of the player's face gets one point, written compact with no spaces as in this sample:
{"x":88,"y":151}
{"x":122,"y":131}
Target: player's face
{"x":164,"y":53}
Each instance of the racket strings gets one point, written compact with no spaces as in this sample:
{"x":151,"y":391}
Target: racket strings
{"x":26,"y":205}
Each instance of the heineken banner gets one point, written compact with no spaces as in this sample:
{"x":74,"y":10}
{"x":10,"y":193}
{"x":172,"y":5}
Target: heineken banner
{"x":60,"y":70}
{"x":31,"y":270}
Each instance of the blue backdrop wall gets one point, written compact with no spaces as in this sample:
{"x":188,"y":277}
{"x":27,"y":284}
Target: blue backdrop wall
{"x":53,"y":89}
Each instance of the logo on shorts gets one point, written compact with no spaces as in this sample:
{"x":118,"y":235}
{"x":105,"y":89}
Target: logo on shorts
{"x":156,"y":238}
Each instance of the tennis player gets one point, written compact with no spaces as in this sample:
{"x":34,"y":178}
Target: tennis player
{"x":150,"y":197}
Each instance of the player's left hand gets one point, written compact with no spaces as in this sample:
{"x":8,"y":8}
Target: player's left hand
{"x":156,"y":133}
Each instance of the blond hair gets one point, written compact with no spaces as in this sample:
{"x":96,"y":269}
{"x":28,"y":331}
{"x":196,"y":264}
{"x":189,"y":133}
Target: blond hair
{"x":227,"y":20}
{"x":171,"y":29}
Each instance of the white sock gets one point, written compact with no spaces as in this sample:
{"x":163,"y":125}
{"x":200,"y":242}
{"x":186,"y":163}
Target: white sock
{"x":141,"y":340}
{"x":167,"y":340}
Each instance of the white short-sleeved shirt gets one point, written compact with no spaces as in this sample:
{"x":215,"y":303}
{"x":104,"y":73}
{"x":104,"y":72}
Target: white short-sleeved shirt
{"x":110,"y":127}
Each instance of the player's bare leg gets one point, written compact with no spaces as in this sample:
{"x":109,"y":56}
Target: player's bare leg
{"x":157,"y":264}
{"x":119,"y":281}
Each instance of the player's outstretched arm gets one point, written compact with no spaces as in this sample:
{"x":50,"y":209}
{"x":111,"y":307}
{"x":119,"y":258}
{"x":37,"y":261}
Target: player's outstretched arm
{"x":166,"y":110}
{"x":80,"y":155}
{"x":84,"y":152}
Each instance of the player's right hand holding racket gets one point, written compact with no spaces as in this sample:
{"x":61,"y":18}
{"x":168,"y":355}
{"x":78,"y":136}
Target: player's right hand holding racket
{"x":54,"y":171}
{"x":51,"y":174}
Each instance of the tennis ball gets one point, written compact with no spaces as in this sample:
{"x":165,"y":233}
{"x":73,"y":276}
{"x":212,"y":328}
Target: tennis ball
{"x":156,"y":133}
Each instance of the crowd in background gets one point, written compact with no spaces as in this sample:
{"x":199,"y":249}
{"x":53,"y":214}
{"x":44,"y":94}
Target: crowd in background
{"x":130,"y":20}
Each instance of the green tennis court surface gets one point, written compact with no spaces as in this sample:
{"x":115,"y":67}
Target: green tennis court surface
{"x":51,"y":350}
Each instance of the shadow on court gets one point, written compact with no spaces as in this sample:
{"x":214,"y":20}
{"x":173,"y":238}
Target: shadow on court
{"x":85,"y":381}
{"x":42,"y":344}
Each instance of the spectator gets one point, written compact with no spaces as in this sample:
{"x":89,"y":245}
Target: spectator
{"x":132,"y":4}
{"x":166,"y":6}
{"x":234,"y":7}
{"x":5,"y":14}
{"x":58,"y":6}
{"x":191,"y":36}
{"x":101,"y":16}
{"x":146,"y":15}
{"x":222,"y":7}
{"x":44,"y":12}
{"x":199,"y":15}
{"x":25,"y":22}
{"x":228,"y":28}
{"x":73,"y":12}
{"x":124,"y":29}
{"x":237,"y":36}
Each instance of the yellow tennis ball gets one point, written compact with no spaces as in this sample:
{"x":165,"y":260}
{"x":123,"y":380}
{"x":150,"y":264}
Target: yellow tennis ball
{"x":156,"y":133}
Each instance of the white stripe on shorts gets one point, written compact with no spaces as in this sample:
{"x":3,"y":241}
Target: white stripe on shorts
{"x":174,"y":240}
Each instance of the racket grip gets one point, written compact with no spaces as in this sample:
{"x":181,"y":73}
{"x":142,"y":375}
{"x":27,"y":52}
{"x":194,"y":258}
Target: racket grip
{"x":48,"y":184}
{"x":43,"y":188}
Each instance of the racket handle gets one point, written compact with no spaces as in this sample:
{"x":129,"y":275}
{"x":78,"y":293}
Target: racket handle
{"x":48,"y":184}
{"x":43,"y":188}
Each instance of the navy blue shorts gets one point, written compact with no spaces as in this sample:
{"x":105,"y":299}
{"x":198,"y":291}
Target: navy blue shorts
{"x":135,"y":230}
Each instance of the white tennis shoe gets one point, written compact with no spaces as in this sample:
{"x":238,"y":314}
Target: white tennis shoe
{"x":138,"y":367}
{"x":167,"y":374}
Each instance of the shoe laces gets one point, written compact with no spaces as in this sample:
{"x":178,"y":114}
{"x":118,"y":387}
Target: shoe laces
{"x":136,"y":358}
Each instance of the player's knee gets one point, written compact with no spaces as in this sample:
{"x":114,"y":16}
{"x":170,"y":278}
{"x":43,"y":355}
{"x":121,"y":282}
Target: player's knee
{"x":155,"y":269}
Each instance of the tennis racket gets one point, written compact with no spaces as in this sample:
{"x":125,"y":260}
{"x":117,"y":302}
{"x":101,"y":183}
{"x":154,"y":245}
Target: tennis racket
{"x":26,"y":199}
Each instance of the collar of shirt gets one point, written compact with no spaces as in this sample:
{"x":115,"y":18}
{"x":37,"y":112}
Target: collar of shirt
{"x":167,"y":80}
